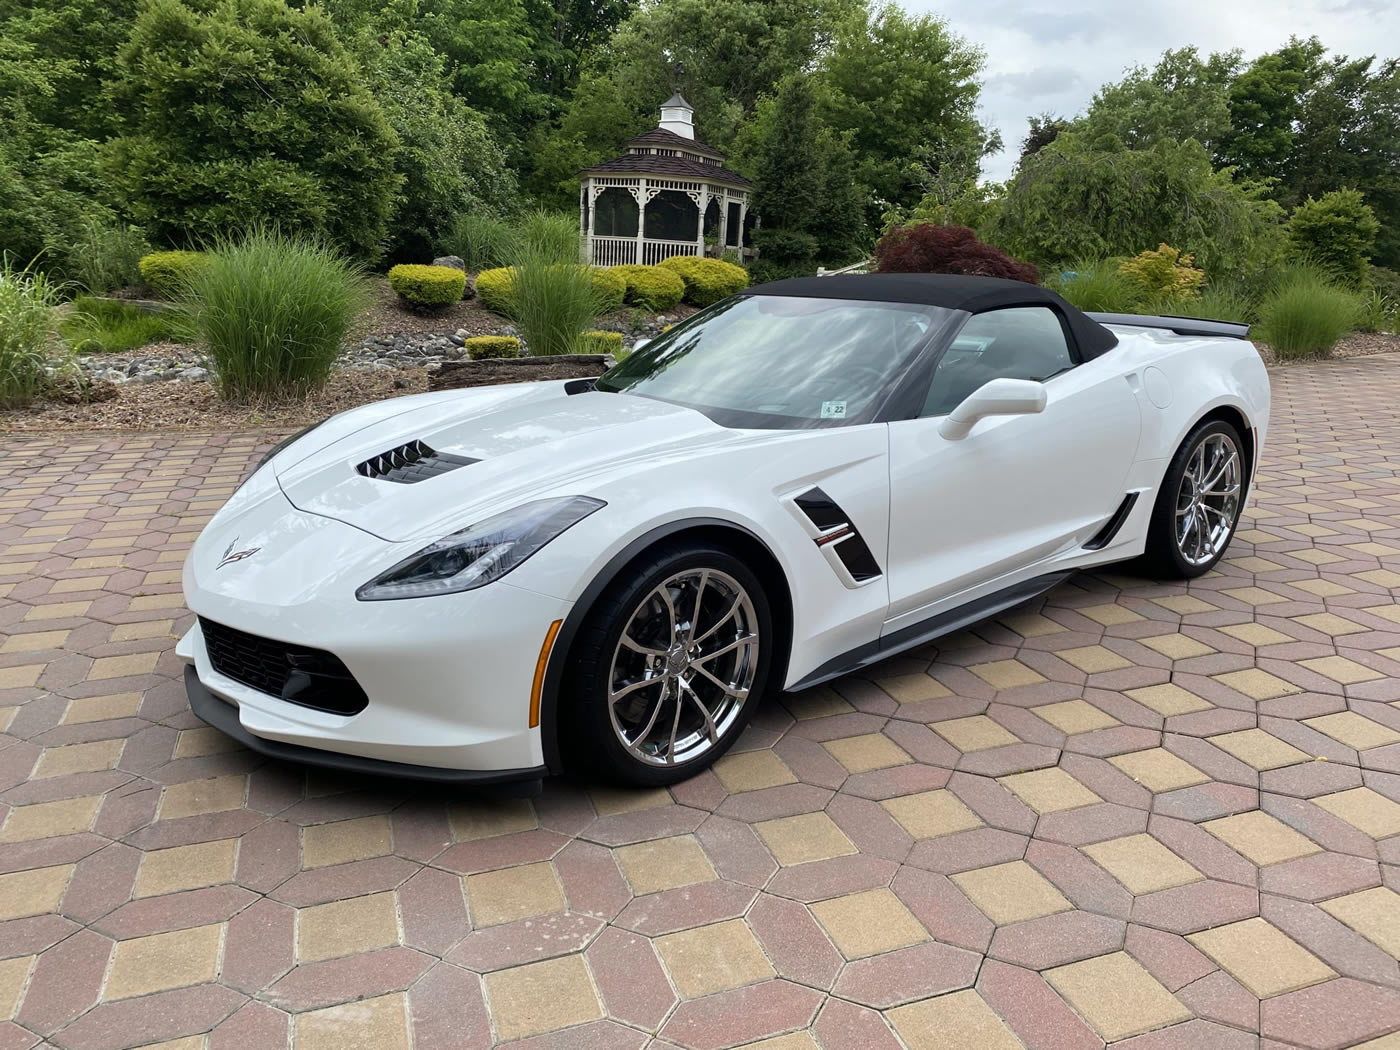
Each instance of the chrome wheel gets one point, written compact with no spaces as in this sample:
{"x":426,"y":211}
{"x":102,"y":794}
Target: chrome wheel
{"x":1208,"y":500}
{"x":684,"y":667}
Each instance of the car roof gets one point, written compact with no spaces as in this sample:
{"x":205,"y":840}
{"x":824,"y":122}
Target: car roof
{"x":950,"y":291}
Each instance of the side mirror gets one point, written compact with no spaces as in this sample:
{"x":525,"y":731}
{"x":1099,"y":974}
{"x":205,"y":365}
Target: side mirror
{"x":998,"y":397}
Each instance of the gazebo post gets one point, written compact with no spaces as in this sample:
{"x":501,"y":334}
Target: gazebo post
{"x":702,"y":202}
{"x":641,"y":218}
{"x":592,"y":217}
{"x":743,"y":219}
{"x":723,"y":222}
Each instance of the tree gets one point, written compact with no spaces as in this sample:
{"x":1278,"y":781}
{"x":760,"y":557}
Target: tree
{"x":1042,"y":131}
{"x":904,"y":88}
{"x":1183,"y":97}
{"x":1077,"y":199}
{"x":1348,"y":134}
{"x":247,"y":111}
{"x":1265,"y":102}
{"x":929,"y":248}
{"x":447,"y":157}
{"x":788,"y":194}
{"x":1338,"y":230}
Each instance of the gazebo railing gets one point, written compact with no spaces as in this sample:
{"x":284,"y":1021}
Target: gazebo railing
{"x":622,"y":251}
{"x":654,"y":251}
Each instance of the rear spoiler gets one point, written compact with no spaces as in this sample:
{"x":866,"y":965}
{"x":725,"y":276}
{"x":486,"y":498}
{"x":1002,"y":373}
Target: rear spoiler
{"x":1179,"y":325}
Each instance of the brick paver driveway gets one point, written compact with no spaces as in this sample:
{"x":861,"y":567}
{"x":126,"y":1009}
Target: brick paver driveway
{"x":1128,"y":808}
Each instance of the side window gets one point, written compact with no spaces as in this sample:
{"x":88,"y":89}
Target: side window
{"x":1024,"y":342}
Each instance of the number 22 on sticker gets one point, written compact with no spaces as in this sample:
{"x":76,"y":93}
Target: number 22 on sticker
{"x":833,"y":410}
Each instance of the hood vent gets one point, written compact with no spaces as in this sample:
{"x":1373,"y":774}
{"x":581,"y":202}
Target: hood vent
{"x":410,"y":463}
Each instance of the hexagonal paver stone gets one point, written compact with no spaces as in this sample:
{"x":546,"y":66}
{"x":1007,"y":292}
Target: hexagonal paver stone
{"x":1011,"y":892}
{"x":1168,"y":699}
{"x":752,"y":770}
{"x":1262,"y":957}
{"x":1259,"y":749}
{"x":488,"y":818}
{"x":1142,"y":864}
{"x":973,"y":733}
{"x":1365,"y":809}
{"x":803,"y":838}
{"x":1075,"y":716}
{"x":664,"y":864}
{"x":1262,"y":838}
{"x":929,"y":814}
{"x":867,"y":923}
{"x":360,"y":924}
{"x":1116,"y":995}
{"x":960,"y":1019}
{"x":35,"y":891}
{"x":1049,"y":790}
{"x":1353,"y":730}
{"x":370,"y":1024}
{"x":1374,"y":913}
{"x":713,"y":958}
{"x":165,"y":960}
{"x":1157,"y":769}
{"x":861,"y":754}
{"x":542,"y":997}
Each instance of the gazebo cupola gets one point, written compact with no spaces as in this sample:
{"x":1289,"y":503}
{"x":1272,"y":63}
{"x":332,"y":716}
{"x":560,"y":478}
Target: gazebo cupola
{"x":667,"y":194}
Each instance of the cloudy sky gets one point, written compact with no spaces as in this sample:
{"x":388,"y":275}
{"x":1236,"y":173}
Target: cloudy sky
{"x":1051,"y":55}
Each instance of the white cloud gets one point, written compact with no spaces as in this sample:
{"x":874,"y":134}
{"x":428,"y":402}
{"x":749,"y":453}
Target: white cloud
{"x":1052,"y":55}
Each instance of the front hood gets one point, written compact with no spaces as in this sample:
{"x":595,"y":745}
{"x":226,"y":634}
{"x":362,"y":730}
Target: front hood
{"x":528,"y":440}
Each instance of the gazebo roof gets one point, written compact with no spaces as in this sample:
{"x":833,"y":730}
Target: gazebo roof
{"x":678,"y":167}
{"x":663,"y":137}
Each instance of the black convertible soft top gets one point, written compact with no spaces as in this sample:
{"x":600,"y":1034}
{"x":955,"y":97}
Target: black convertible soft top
{"x":950,"y":291}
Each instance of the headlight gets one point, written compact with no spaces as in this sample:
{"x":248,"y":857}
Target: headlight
{"x":480,"y":553}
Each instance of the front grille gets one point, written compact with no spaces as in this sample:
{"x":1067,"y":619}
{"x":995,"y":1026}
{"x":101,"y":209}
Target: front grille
{"x":308,"y":677}
{"x":411,"y":462}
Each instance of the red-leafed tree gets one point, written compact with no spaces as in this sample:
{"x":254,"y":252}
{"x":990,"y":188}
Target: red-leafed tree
{"x":929,"y":248}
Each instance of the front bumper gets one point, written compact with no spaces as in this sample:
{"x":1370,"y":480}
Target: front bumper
{"x":223,"y":716}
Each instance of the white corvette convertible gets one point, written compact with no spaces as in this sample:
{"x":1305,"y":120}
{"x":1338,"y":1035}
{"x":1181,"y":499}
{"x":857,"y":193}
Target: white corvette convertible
{"x":489,"y":585}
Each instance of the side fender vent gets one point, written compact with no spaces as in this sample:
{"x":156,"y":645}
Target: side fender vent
{"x":410,"y":463}
{"x":1105,"y":535}
{"x":837,"y":533}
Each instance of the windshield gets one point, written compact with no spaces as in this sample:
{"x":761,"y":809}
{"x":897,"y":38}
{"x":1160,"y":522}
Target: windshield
{"x":774,"y":361}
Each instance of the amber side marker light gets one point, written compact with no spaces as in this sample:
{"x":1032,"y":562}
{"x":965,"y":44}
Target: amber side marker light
{"x":540,"y":666}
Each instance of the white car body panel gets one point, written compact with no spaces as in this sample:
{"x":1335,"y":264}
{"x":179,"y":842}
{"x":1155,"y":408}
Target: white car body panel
{"x":449,"y":677}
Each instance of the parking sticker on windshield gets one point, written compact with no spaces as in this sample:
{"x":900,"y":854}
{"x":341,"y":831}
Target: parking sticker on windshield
{"x":833,"y":410}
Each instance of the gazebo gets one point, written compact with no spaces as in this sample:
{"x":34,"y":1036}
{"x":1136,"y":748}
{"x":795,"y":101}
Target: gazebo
{"x":668,"y":194}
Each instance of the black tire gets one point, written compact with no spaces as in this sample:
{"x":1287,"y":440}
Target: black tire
{"x":591,"y":741}
{"x":1163,"y":557}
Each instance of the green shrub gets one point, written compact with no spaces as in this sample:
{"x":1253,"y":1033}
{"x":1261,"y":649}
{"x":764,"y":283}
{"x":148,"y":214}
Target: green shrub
{"x":1379,"y":313}
{"x":108,"y":326}
{"x":493,"y":289}
{"x":547,"y":236}
{"x":482,"y":241}
{"x":427,"y":285}
{"x":554,"y":304}
{"x":27,"y":303}
{"x":597,"y":342}
{"x":480,"y":346}
{"x":707,"y":280}
{"x":108,"y":257}
{"x":1097,"y":285}
{"x":610,"y":287}
{"x":1163,"y":275}
{"x":241,"y":111}
{"x":169,"y":273}
{"x":651,"y":287}
{"x":1224,"y":302}
{"x":273,"y":310}
{"x":1307,"y":314}
{"x":1337,"y":230}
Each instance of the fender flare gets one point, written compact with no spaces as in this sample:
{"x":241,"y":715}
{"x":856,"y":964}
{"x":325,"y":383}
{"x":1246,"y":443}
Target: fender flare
{"x":563,"y":643}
